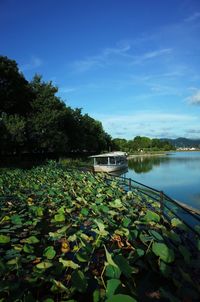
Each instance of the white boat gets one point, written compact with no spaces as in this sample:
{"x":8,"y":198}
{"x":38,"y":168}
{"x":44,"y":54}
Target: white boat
{"x":109,"y":162}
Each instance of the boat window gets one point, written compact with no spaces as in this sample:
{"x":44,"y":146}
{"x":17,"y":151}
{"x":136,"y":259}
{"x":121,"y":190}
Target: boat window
{"x":118,"y":160}
{"x":112,"y":160}
{"x":102,"y":161}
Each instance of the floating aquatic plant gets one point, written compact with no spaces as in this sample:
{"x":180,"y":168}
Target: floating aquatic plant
{"x":71,"y":236}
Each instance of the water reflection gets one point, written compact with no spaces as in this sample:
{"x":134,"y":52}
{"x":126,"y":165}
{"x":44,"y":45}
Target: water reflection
{"x":177,"y":174}
{"x":142,"y":164}
{"x":121,"y":172}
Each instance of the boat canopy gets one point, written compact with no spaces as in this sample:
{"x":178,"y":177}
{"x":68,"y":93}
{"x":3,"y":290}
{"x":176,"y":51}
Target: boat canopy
{"x":111,"y":154}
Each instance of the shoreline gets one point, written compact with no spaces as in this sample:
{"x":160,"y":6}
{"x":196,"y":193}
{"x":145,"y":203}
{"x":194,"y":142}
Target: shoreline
{"x":146,"y":155}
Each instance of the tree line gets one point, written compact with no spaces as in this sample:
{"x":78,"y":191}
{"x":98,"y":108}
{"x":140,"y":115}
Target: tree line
{"x":144,"y":144}
{"x":34,"y":120}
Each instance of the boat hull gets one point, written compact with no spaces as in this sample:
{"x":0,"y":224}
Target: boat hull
{"x":109,"y":168}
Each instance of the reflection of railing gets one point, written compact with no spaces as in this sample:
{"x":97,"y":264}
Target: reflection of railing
{"x":169,"y":207}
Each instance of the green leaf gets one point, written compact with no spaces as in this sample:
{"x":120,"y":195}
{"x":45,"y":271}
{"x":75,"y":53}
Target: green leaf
{"x":165,"y":269}
{"x":172,"y":235}
{"x":16,"y":219}
{"x":13,"y":261}
{"x":49,"y":252}
{"x":156,"y":235}
{"x":31,"y":240}
{"x":79,"y":281}
{"x":113,"y":272}
{"x":101,"y":227}
{"x":104,"y":208}
{"x":82,"y":257}
{"x":4,"y":239}
{"x":126,"y":221}
{"x":69,"y":263}
{"x":58,"y":287}
{"x":96,"y":296}
{"x":109,"y":258}
{"x":140,"y":252}
{"x":29,"y":249}
{"x":177,"y":223}
{"x":144,"y":237}
{"x":116,"y":204}
{"x":59,"y":217}
{"x":161,"y":250}
{"x":84,"y":211}
{"x":62,"y":230}
{"x":39,"y":211}
{"x":44,"y":265}
{"x":121,"y":298}
{"x":61,"y":210}
{"x":151,"y":216}
{"x":112,"y":285}
{"x":5,"y":218}
{"x":123,"y":265}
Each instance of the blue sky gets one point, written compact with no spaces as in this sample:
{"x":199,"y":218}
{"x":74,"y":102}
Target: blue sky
{"x":134,"y":65}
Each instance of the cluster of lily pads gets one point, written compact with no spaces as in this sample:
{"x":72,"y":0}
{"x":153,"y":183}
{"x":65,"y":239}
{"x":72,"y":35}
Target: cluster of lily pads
{"x":71,"y":236}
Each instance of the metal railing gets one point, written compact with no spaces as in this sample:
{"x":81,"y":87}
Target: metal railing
{"x":169,"y":207}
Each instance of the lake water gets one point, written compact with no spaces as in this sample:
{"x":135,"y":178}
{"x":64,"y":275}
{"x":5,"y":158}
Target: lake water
{"x":177,"y":174}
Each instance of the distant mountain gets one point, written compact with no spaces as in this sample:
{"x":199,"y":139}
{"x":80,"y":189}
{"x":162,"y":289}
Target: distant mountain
{"x":183,"y":142}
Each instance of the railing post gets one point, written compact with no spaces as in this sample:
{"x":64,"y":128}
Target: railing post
{"x":161,"y":202}
{"x":129,"y":184}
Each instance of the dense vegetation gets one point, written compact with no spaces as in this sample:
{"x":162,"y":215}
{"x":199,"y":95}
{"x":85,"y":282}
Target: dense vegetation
{"x":184,"y":142}
{"x":71,"y":236}
{"x":142,"y":143}
{"x":34,"y":120}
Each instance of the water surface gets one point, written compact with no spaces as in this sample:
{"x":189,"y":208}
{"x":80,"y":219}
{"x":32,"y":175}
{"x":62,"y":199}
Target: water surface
{"x":177,"y":174}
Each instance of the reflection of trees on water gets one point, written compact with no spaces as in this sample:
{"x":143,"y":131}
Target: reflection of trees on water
{"x":142,"y":164}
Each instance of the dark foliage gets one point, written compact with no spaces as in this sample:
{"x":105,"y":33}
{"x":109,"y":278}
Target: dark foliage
{"x":34,"y":120}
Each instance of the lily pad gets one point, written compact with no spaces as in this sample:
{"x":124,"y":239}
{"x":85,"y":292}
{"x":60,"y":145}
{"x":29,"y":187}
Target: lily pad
{"x":69,"y":263}
{"x":151,"y":216}
{"x":123,"y":265}
{"x":49,"y":252}
{"x":59,"y":217}
{"x":44,"y":265}
{"x":177,"y":223}
{"x":4,"y":239}
{"x":163,"y":251}
{"x":31,"y":240}
{"x":112,"y":285}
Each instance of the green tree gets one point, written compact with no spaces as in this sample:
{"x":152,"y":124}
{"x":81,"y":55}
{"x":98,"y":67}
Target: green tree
{"x":15,"y":91}
{"x":13,"y":137}
{"x":120,"y":144}
{"x":46,"y":132}
{"x":33,"y":119}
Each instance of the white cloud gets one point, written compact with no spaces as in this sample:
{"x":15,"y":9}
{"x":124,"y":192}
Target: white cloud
{"x":195,"y":98}
{"x":148,"y":117}
{"x":146,"y":123}
{"x":123,"y":52}
{"x":101,"y":59}
{"x":67,"y":89}
{"x":151,"y":55}
{"x":34,"y":63}
{"x":193,"y":17}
